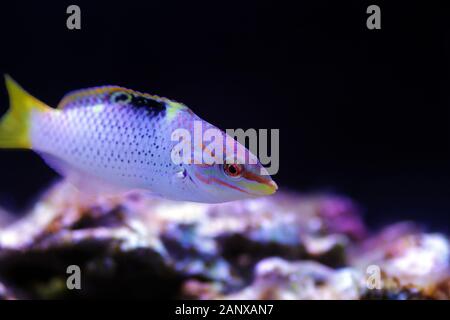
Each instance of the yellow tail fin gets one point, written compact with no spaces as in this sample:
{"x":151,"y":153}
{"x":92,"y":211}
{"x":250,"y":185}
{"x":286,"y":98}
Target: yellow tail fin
{"x":15,"y":124}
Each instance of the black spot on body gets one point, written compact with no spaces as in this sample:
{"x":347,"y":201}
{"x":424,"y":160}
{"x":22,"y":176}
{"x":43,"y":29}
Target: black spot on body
{"x":121,"y":97}
{"x":154,"y":107}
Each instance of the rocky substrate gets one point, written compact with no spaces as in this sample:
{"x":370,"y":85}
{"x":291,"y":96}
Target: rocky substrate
{"x":287,"y":246}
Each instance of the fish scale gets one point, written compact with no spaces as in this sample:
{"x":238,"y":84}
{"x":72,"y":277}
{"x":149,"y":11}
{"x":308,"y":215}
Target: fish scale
{"x":123,"y":144}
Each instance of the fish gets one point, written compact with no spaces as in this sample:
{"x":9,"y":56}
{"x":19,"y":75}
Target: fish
{"x":114,"y":139}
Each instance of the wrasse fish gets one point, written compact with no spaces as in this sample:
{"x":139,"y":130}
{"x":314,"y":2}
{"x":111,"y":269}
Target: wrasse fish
{"x":113,"y":136}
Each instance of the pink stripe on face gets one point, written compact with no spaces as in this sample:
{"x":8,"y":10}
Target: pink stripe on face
{"x":212,"y":179}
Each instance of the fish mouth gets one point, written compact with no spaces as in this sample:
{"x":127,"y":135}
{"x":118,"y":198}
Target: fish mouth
{"x":270,"y":187}
{"x":273,"y":185}
{"x":263,"y":188}
{"x":262,"y":185}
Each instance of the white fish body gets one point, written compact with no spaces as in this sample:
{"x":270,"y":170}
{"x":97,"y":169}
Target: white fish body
{"x":117,"y":137}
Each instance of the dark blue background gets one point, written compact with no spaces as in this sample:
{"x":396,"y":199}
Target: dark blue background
{"x":363,"y":113}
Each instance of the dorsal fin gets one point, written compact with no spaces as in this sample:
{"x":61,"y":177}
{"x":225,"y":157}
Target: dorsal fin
{"x":96,"y":95}
{"x":110,"y":95}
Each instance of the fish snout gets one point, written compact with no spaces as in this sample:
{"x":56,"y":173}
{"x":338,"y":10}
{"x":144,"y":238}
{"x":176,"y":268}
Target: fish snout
{"x":263,"y":186}
{"x":269,"y":187}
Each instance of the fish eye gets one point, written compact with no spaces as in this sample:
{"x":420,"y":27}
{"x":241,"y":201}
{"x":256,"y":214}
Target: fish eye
{"x":233,"y":170}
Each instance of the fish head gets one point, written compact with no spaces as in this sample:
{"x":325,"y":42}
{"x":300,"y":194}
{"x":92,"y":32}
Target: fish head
{"x":237,"y":177}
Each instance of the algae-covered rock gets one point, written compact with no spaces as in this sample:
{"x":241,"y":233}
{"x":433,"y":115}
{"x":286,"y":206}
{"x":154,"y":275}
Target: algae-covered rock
{"x":287,"y":246}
